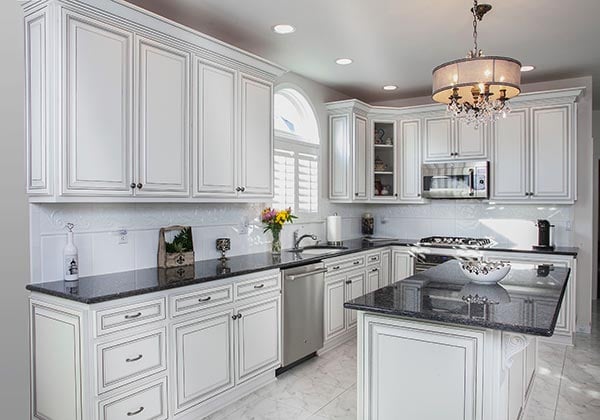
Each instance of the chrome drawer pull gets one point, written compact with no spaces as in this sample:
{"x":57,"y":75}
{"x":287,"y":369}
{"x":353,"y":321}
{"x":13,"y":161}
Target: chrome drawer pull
{"x":134,"y":359}
{"x":259,"y":286}
{"x":337,"y":267}
{"x":133,"y":316}
{"x":375,"y":269}
{"x":206,"y":299}
{"x":356,"y":262}
{"x":373,"y":258}
{"x":136,"y":412}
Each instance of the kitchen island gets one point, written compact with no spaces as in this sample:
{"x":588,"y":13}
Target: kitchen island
{"x":435,"y":346}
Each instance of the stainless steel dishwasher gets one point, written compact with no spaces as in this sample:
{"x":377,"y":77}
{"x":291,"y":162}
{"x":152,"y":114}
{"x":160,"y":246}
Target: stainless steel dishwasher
{"x":303,"y":291}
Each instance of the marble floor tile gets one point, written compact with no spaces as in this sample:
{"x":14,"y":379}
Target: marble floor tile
{"x":578,"y":400}
{"x":342,"y":408}
{"x":538,"y":413}
{"x":268,"y":409}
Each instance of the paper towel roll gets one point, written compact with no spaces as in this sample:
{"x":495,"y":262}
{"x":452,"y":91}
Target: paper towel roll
{"x":334,"y":229}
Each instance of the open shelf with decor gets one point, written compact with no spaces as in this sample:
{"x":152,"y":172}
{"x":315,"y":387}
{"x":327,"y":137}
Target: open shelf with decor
{"x":383,"y":161}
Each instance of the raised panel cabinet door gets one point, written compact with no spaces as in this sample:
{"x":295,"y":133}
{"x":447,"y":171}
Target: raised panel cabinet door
{"x":373,"y":279}
{"x":439,"y":139}
{"x":215,"y":149}
{"x":384,"y":279}
{"x":454,"y":371}
{"x":204,"y":359}
{"x":510,"y":157}
{"x":471,"y":142}
{"x":355,"y":287}
{"x":257,"y":138}
{"x":403,"y":266}
{"x":339,"y":157}
{"x":163,"y":119}
{"x":551,"y":151}
{"x":258,"y":338}
{"x":360,"y":158}
{"x":334,"y":306}
{"x":56,"y":364}
{"x":410,"y":160}
{"x":530,"y":363}
{"x":97,"y":76}
{"x":38,"y":153}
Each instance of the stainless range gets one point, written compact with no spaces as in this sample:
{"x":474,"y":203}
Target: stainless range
{"x":425,"y":261}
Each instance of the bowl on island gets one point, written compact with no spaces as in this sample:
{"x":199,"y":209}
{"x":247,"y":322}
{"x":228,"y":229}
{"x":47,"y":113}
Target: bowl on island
{"x":485,"y":272}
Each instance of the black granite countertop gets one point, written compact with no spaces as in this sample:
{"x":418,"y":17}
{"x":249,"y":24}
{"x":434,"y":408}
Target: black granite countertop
{"x":526,"y":301}
{"x":106,"y":287}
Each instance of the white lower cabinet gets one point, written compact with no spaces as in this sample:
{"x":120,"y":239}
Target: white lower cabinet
{"x":258,"y":338}
{"x":145,"y":403}
{"x":384,"y":278}
{"x":204,"y":358}
{"x":335,"y":294}
{"x":355,"y":287}
{"x":403,"y":265}
{"x":168,"y":359}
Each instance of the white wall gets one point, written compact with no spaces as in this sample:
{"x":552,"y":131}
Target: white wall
{"x":596,"y":183}
{"x":14,"y":247}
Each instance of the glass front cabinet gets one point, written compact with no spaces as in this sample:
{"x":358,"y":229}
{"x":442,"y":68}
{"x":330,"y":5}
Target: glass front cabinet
{"x":384,"y":162}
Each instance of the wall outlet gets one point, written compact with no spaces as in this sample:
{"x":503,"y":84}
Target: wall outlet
{"x":244,"y":226}
{"x":123,"y":236}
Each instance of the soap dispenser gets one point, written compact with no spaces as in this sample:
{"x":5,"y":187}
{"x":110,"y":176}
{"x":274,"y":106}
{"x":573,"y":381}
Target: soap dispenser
{"x":70,"y":257}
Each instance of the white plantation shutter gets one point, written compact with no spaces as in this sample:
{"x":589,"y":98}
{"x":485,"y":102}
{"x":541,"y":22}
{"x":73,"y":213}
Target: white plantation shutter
{"x":308,"y":183}
{"x":284,"y":172}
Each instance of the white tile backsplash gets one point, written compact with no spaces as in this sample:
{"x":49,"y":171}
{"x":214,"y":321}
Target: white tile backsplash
{"x":97,"y":227}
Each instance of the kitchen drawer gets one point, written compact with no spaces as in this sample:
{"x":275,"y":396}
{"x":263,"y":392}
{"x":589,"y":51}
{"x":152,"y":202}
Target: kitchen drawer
{"x":145,"y":403}
{"x":123,"y":317}
{"x":346,"y":264}
{"x":257,"y":286}
{"x":373,"y":258}
{"x":130,"y":359}
{"x":201,"y":299}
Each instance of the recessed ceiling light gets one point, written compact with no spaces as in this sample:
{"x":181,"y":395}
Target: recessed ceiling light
{"x":527,"y":68}
{"x":343,"y":61}
{"x":283,"y":29}
{"x":390,"y":87}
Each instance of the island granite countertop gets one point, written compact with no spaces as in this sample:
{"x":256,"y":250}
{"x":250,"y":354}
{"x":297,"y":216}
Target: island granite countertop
{"x":438,"y":295}
{"x":101,"y":288}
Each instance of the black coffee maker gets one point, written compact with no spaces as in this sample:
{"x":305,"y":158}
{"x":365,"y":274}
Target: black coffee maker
{"x":544,"y":235}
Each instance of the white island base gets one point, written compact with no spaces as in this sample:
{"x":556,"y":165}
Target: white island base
{"x":420,"y":370}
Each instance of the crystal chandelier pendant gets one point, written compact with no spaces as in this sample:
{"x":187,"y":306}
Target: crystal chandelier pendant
{"x":476,"y":89}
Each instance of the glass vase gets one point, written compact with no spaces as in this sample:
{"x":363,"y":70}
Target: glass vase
{"x":276,"y":244}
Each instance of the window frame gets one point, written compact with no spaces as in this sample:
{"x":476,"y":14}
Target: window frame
{"x":300,"y":145}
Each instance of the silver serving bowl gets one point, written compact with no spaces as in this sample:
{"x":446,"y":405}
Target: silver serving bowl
{"x":485,"y":272}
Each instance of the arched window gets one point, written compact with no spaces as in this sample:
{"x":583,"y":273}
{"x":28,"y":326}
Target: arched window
{"x":296,"y":154}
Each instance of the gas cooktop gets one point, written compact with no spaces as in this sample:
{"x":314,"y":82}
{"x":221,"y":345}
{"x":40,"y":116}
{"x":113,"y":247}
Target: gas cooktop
{"x":457,"y":241}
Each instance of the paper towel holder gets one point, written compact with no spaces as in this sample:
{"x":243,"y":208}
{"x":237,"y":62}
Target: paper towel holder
{"x":334,"y":243}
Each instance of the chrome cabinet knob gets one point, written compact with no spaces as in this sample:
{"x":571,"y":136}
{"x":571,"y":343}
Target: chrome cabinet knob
{"x":140,"y":185}
{"x":132,"y":185}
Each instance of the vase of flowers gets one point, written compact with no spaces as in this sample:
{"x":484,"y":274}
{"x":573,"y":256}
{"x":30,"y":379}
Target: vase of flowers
{"x":274,"y":221}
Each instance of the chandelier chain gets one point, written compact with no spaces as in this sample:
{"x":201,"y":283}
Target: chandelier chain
{"x":476,"y":47}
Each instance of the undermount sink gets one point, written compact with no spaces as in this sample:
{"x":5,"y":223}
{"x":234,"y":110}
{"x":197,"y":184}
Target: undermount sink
{"x":318,"y":249}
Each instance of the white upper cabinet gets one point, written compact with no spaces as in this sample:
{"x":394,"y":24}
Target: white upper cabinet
{"x":510,"y":157}
{"x":97,"y":78}
{"x":533,"y":156}
{"x":551,"y":150}
{"x":446,"y":140}
{"x":471,"y":142}
{"x":439,"y":139}
{"x":349,"y":175}
{"x":37,"y":106}
{"x":339,"y":158}
{"x":215,"y":162}
{"x":139,"y":109}
{"x":162,"y":119}
{"x":410,"y":160}
{"x":360,"y":161}
{"x":256,"y":138}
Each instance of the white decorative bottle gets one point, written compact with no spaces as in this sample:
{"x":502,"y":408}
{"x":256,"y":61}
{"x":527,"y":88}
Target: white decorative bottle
{"x":70,"y":257}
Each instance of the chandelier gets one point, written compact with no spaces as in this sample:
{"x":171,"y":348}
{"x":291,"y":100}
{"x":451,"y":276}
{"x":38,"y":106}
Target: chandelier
{"x":477,"y":88}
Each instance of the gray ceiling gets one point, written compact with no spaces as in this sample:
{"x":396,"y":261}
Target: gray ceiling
{"x":399,"y":41}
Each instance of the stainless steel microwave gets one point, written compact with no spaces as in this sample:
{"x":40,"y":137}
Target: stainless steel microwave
{"x":456,"y":180}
